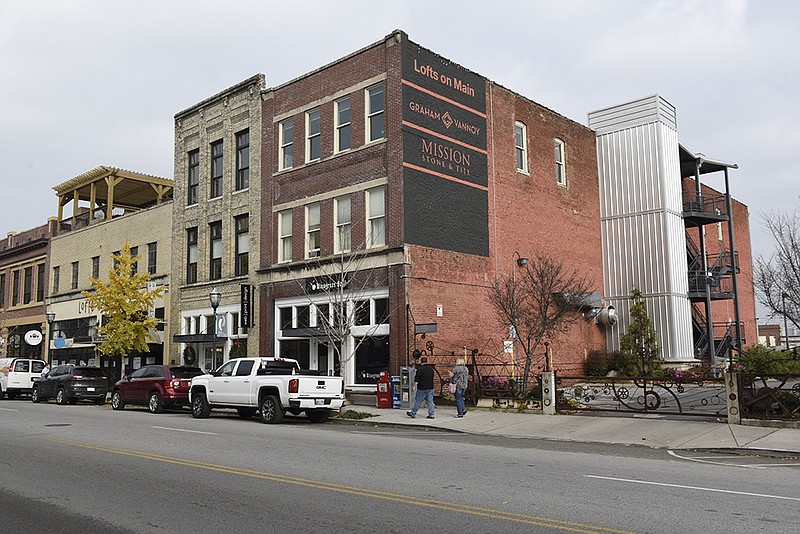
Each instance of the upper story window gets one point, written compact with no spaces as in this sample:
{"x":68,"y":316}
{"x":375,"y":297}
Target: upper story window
{"x":313,"y":135}
{"x":27,"y":285}
{"x":96,"y":267}
{"x":74,"y":284}
{"x":285,"y":236}
{"x":341,"y":140}
{"x":376,"y":217}
{"x":215,"y":250}
{"x":15,"y":288}
{"x":135,"y":264}
{"x":39,"y":283}
{"x":216,"y":169}
{"x":343,"y":224}
{"x":56,"y":278}
{"x":3,"y":290}
{"x":242,"y":227}
{"x":521,"y":143}
{"x":243,"y":160}
{"x":193,"y":177}
{"x":561,"y":163}
{"x":285,"y":155}
{"x":191,"y":255}
{"x":152,"y":257}
{"x":312,"y":231}
{"x":375,"y":115}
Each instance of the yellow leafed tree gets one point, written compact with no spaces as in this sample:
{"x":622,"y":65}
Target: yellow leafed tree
{"x":124,"y":300}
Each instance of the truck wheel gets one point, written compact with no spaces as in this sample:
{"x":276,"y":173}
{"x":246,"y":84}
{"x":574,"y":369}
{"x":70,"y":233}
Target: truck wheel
{"x":318,"y":416}
{"x":35,"y":395}
{"x":271,"y":410}
{"x":116,"y":400}
{"x":154,"y":403}
{"x":246,"y":413}
{"x":200,"y":407}
{"x":61,"y":397}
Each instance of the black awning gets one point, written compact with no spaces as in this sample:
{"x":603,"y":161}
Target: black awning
{"x":197,"y":338}
{"x":306,"y":331}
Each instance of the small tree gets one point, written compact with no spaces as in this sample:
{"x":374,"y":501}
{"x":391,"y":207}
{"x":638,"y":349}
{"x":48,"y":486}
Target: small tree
{"x":124,"y":300}
{"x":338,"y":292}
{"x":640,"y":343}
{"x":539,"y":302}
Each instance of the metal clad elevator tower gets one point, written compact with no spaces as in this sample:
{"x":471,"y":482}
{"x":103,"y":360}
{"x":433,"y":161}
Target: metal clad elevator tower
{"x":641,"y":221}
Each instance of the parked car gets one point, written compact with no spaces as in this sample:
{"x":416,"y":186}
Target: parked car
{"x":71,"y":383}
{"x":157,"y":386}
{"x":18,"y":374}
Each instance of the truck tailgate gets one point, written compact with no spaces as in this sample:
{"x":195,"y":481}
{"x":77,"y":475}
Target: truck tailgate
{"x":319,"y":386}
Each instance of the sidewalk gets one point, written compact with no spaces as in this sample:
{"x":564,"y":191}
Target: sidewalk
{"x":647,"y":430}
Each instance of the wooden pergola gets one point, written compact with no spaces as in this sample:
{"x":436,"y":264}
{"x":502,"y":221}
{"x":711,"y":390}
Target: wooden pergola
{"x":104,"y":189}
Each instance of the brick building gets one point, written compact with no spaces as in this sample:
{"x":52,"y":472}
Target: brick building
{"x":23,"y":290}
{"x":99,"y":218}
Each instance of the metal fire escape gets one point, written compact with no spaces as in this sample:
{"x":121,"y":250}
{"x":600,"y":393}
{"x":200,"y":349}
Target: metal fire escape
{"x":712,"y":276}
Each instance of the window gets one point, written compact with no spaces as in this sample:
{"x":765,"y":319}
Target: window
{"x":343,"y":235}
{"x":39,"y":283}
{"x":561,"y":163}
{"x":74,"y":284}
{"x":191,"y":255}
{"x":342,"y":120}
{"x":313,"y":136}
{"x":312,"y":231}
{"x":152,"y":257}
{"x":135,"y":264}
{"x":521,"y":142}
{"x":285,"y":236}
{"x":56,"y":278}
{"x":193,"y":178}
{"x":216,"y":169}
{"x":376,"y":218}
{"x":375,"y":118}
{"x":285,"y":157}
{"x":96,"y":267}
{"x":27,"y":285}
{"x":15,"y":288}
{"x":243,"y":160}
{"x":215,"y":252}
{"x":2,"y":290}
{"x":242,"y":225}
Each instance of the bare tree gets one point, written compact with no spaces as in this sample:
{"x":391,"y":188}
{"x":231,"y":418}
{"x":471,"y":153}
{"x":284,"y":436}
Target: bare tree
{"x":539,"y":301}
{"x":339,"y":295}
{"x":777,"y":278}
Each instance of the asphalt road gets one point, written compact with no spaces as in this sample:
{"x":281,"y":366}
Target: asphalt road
{"x":89,"y":469}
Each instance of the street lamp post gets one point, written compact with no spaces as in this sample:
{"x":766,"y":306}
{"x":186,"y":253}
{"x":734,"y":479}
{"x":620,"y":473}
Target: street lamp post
{"x":785,"y":320}
{"x":215,"y":297}
{"x":51,"y":317}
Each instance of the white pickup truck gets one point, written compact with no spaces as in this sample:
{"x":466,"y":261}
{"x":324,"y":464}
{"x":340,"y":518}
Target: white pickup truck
{"x":271,"y":386}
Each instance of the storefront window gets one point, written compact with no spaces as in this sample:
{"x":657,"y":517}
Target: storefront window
{"x":296,"y":349}
{"x":372,"y":357}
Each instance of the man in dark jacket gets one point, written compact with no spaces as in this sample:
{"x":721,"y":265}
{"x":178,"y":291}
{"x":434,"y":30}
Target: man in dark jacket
{"x":424,"y":382}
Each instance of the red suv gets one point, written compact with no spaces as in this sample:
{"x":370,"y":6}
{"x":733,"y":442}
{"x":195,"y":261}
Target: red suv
{"x":157,"y":386}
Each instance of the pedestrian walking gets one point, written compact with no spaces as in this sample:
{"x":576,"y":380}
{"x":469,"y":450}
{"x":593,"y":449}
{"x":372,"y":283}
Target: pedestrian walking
{"x":424,"y":383}
{"x":459,"y":377}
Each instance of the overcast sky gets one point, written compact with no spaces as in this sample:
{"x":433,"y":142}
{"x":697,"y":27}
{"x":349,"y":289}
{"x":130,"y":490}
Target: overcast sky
{"x":85,"y":83}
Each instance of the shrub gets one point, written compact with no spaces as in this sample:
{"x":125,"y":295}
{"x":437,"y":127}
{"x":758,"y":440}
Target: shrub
{"x":760,"y":360}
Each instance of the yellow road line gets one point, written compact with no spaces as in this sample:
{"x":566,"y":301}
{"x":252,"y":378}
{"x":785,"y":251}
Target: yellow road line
{"x":363,"y":492}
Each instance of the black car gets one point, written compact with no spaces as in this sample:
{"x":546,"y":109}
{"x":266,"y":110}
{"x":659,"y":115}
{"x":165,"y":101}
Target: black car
{"x":70,"y":383}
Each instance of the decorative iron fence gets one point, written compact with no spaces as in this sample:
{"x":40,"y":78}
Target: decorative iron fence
{"x":770,"y":396}
{"x":681,"y":396}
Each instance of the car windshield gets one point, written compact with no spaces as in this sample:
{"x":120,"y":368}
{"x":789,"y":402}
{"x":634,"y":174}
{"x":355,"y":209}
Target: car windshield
{"x":186,"y":372}
{"x":92,"y":372}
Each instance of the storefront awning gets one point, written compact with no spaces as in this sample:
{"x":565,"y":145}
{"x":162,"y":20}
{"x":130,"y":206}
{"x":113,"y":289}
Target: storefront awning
{"x":197,"y":338}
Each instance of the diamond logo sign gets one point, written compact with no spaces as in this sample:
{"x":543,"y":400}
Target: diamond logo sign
{"x":447,"y":120}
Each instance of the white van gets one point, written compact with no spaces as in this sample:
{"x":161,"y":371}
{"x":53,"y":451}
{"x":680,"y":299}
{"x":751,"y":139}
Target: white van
{"x":17,"y":375}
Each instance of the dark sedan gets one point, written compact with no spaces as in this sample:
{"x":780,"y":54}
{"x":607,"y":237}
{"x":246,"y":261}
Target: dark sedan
{"x":70,"y":383}
{"x":156,"y":386}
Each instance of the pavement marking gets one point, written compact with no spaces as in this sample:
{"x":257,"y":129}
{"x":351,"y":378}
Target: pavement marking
{"x":701,"y":460}
{"x":8,"y":410}
{"x":405,"y":433}
{"x":698,"y":488}
{"x":409,"y":500}
{"x":184,"y":430}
